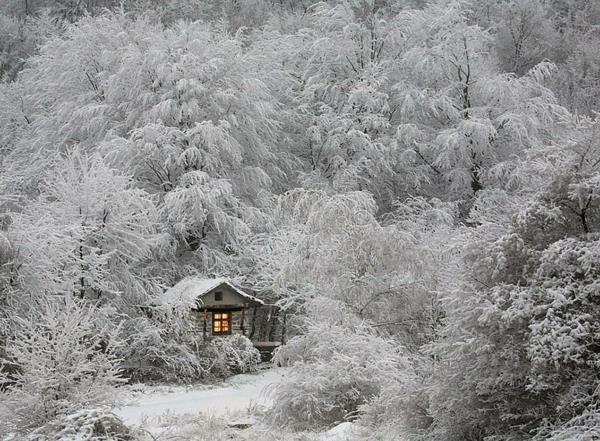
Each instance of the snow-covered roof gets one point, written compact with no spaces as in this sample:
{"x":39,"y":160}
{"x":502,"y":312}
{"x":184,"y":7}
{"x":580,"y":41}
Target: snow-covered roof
{"x":190,"y":289}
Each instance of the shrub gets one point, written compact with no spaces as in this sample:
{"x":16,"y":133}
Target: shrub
{"x":223,"y":357}
{"x":334,"y":372}
{"x":97,"y":424}
{"x":158,"y":351}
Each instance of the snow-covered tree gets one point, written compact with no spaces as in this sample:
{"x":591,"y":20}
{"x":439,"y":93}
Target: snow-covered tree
{"x":460,"y":115}
{"x":85,"y":234}
{"x":91,"y":234}
{"x":576,"y":82}
{"x":525,"y":35}
{"x":343,"y":65}
{"x":333,"y":247}
{"x":61,"y":361}
{"x":186,"y":111}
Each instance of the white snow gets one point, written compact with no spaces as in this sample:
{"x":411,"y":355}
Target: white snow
{"x":239,"y":394}
{"x":176,"y":412}
{"x":342,"y":432}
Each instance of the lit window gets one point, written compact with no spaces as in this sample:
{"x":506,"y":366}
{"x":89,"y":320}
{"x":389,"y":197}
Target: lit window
{"x":221,"y":322}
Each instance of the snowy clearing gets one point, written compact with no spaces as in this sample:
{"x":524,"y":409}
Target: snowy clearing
{"x":238,"y":395}
{"x":222,"y":411}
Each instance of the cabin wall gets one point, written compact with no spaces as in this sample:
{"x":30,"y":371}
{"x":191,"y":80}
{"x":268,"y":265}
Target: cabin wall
{"x":265,"y":324}
{"x":197,"y":320}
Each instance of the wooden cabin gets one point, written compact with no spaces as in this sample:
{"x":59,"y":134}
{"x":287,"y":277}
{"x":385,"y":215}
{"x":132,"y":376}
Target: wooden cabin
{"x":218,"y":308}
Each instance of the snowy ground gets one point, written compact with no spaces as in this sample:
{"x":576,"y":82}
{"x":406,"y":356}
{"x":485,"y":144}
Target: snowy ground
{"x":240,"y":394}
{"x":222,"y":412}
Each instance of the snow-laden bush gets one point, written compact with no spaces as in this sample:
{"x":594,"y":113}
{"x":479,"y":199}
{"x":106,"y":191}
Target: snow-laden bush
{"x":158,"y":349}
{"x":400,"y":410}
{"x":223,"y":357}
{"x":335,"y":370}
{"x":64,"y":362}
{"x":88,"y":424}
{"x":584,"y":427}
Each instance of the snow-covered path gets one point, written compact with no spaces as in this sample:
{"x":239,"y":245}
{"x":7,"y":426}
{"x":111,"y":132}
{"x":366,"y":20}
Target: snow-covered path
{"x":239,"y":394}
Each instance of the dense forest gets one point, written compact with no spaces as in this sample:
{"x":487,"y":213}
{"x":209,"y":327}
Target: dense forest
{"x":416,"y":184}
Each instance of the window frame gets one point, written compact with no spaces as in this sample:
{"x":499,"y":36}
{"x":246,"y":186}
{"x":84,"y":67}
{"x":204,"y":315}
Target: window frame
{"x":220,"y":319}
